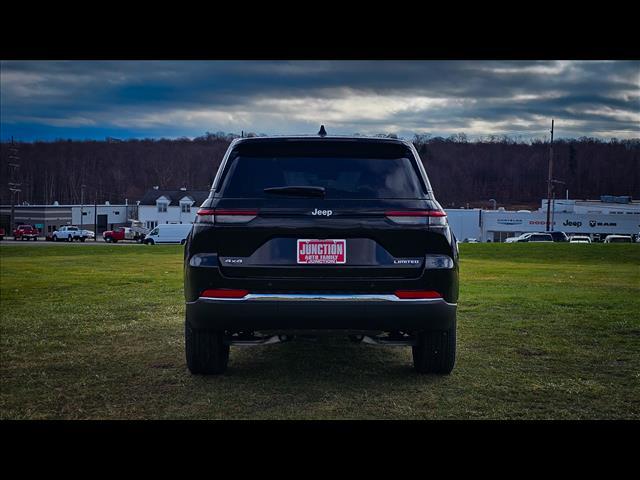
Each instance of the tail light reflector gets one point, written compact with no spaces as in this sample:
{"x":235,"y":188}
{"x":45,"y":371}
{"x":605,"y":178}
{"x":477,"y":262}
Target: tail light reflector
{"x":418,"y":217}
{"x":416,"y":294}
{"x":224,"y":293}
{"x":219,"y":215}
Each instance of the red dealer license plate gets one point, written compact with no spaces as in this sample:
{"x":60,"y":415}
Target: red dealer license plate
{"x":322,"y":251}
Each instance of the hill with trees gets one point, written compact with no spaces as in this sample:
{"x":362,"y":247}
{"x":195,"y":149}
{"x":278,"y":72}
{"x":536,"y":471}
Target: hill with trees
{"x":462,"y":172}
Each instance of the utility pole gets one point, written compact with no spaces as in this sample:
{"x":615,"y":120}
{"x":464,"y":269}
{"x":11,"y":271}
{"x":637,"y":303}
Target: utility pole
{"x":95,"y":217}
{"x":82,"y":187}
{"x":553,"y":207}
{"x":549,"y":180}
{"x":14,"y":184}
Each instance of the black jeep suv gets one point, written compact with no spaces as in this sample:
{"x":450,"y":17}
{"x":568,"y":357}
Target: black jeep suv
{"x":309,"y":235}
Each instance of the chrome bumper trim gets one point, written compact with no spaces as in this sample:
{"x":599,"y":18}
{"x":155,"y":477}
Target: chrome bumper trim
{"x":319,"y":297}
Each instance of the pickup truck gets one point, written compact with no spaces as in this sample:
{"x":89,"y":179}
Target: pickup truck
{"x":25,"y":232}
{"x":70,"y":233}
{"x":122,"y":233}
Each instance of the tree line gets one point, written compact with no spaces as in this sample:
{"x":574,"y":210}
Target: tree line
{"x":462,"y":172}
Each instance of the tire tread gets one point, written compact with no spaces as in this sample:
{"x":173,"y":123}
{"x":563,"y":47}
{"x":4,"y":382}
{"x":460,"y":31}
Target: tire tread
{"x":435,"y":351}
{"x":205,"y":350}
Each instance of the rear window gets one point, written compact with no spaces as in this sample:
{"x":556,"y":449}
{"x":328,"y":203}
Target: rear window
{"x":341,"y":177}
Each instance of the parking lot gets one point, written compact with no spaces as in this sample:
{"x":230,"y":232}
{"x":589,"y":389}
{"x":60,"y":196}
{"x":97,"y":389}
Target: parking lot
{"x":41,"y":241}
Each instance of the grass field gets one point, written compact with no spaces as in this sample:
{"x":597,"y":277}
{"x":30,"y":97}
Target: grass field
{"x":544,"y":332}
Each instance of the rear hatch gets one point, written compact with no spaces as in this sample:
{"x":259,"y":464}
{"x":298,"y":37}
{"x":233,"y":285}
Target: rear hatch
{"x":314,"y":213}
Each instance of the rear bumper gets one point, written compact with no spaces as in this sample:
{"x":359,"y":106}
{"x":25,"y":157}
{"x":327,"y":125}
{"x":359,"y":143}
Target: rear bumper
{"x":320,"y":312}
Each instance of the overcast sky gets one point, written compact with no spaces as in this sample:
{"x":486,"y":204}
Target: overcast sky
{"x":45,"y":100}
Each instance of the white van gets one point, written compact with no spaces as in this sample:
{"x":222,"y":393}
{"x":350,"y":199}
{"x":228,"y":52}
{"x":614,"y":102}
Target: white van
{"x":168,"y":233}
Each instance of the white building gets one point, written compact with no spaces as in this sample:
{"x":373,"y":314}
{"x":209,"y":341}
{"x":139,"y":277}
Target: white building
{"x":465,"y":223}
{"x":170,"y":206}
{"x":101,"y":217}
{"x":47,"y":218}
{"x":591,"y":217}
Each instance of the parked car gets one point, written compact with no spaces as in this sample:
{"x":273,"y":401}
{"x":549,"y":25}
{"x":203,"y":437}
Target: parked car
{"x":122,"y":233}
{"x":321,"y":234}
{"x":87,"y":235}
{"x":538,"y":237}
{"x":1,"y":233}
{"x":25,"y":232}
{"x":168,"y":233}
{"x":523,"y":237}
{"x":69,"y":233}
{"x":579,"y":239}
{"x":618,"y":239}
{"x":559,"y":236}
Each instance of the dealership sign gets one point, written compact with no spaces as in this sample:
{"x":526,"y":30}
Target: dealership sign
{"x":509,"y":221}
{"x":565,"y":222}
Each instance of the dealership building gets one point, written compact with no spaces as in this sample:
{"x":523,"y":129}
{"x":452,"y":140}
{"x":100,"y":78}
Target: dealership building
{"x":47,"y":218}
{"x":595,"y":218}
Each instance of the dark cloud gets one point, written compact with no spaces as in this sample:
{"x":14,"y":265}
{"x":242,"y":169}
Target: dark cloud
{"x":160,"y":98}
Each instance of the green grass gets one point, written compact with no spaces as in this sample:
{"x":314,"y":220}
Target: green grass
{"x":544,"y":332}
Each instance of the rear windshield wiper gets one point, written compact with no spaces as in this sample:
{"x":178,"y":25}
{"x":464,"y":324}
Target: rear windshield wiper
{"x":306,"y":191}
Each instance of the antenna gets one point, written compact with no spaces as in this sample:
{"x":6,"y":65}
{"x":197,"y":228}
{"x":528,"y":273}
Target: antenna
{"x":322,"y":132}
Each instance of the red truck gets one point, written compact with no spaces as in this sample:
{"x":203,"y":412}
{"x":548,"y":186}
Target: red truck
{"x":122,"y":233}
{"x":25,"y":232}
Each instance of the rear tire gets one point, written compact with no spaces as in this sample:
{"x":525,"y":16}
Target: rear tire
{"x":435,"y":351}
{"x":205,"y":350}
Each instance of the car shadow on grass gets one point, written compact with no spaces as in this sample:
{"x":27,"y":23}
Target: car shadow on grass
{"x":329,"y":359}
{"x":331,"y":378}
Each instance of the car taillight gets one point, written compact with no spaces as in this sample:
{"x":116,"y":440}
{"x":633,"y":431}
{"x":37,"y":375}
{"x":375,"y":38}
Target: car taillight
{"x":219,"y":215}
{"x":416,"y":294}
{"x":418,"y":217}
{"x":224,"y":293}
{"x":205,"y":215}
